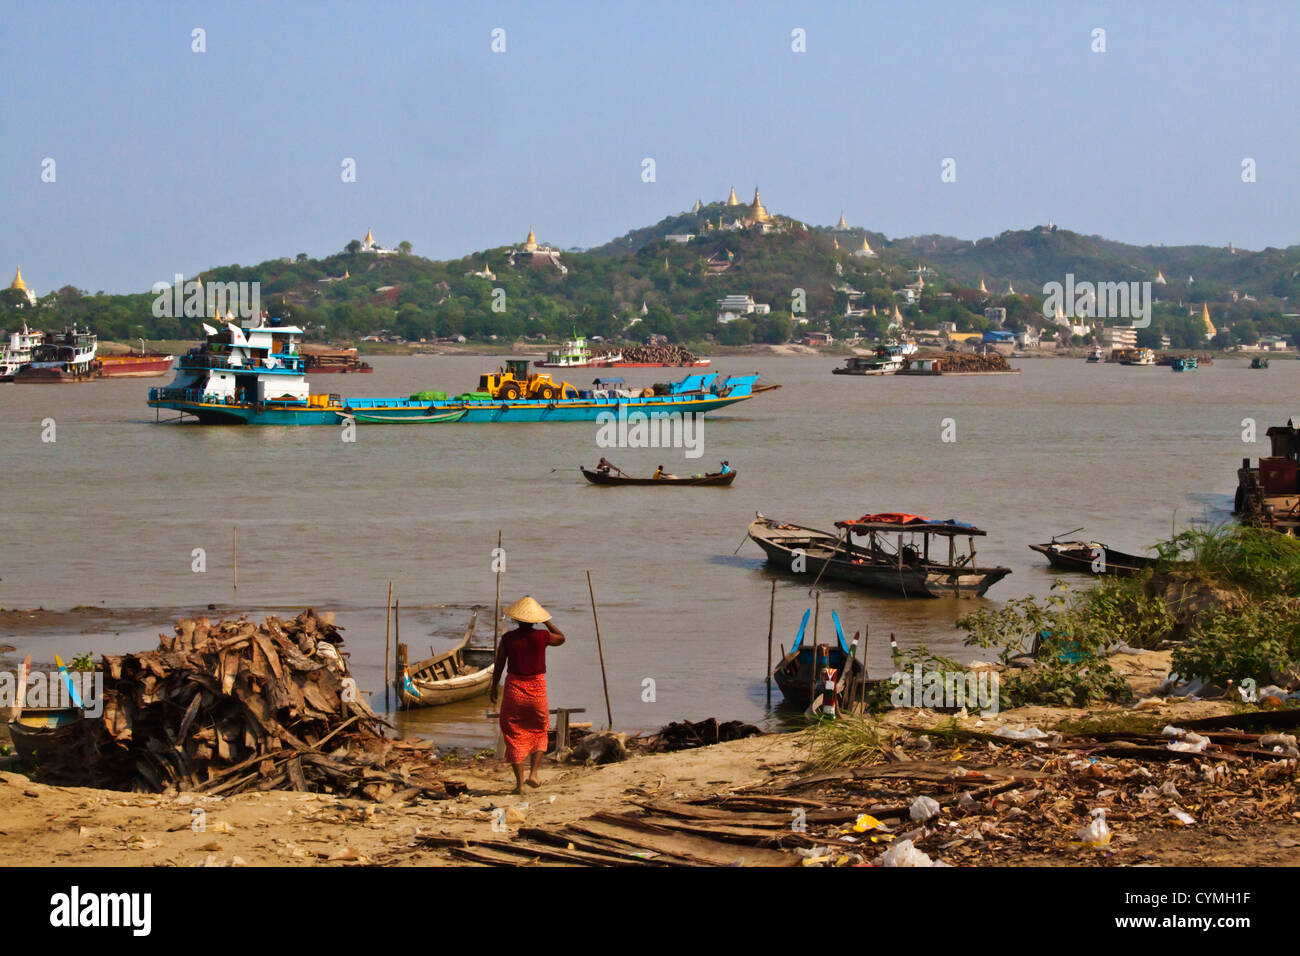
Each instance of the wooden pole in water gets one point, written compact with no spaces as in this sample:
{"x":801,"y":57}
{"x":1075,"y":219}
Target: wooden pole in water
{"x":601,"y":650}
{"x":496,"y":618}
{"x":771,"y":626}
{"x":234,"y":552}
{"x":388,"y":631}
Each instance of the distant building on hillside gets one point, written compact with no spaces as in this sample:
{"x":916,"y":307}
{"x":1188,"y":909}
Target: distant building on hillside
{"x":369,"y":245}
{"x":997,"y":315}
{"x":535,"y":254}
{"x":1120,"y":336}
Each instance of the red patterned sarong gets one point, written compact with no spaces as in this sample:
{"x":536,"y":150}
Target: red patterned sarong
{"x":525,"y":717}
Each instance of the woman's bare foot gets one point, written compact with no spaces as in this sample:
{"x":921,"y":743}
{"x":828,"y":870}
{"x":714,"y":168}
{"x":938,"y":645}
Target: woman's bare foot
{"x":533,"y":782}
{"x":517,"y":790}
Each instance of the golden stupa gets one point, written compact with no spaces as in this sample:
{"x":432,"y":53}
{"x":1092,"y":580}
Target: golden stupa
{"x":732,"y":200}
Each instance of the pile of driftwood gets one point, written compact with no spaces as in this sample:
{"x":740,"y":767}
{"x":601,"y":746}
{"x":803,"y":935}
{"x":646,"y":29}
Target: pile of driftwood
{"x":233,"y":705}
{"x":667,"y":354}
{"x":965,"y":361}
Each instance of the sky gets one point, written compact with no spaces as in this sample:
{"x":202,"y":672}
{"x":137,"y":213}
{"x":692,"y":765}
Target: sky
{"x":167,"y":160}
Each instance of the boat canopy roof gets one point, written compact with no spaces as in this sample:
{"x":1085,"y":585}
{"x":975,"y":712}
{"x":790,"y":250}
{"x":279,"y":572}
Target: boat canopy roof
{"x":897,"y":521}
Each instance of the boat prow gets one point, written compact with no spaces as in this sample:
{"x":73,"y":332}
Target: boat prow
{"x":456,"y":674}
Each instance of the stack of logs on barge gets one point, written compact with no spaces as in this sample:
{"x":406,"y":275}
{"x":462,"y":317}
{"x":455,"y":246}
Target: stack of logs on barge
{"x":1269,"y":495}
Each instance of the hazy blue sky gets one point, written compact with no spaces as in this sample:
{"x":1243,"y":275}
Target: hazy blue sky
{"x":172,"y":161}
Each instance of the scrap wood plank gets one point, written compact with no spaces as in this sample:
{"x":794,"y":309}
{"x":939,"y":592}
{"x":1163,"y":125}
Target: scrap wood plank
{"x":690,"y":843}
{"x":618,"y":854}
{"x":778,"y":820}
{"x":773,"y":837}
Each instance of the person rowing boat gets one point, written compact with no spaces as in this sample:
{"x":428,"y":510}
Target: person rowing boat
{"x":525,"y":716}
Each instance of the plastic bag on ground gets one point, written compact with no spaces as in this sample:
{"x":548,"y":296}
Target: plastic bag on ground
{"x":923,"y":808}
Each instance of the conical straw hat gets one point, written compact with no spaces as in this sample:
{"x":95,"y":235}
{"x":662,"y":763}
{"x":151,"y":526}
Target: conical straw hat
{"x":527,"y":611}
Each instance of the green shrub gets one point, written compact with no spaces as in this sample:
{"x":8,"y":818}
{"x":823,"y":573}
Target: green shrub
{"x":1261,"y":641}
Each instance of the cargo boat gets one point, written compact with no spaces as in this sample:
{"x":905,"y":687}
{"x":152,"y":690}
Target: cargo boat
{"x":322,"y":360}
{"x":68,"y":356}
{"x":577,"y":354}
{"x":135,"y":365}
{"x":887,"y":360}
{"x":255,"y":374}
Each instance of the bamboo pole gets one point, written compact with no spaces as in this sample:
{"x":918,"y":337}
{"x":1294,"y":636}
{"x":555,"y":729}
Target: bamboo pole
{"x":601,"y":650}
{"x":771,"y":626}
{"x":812,"y":684}
{"x":234,"y":552}
{"x":388,"y":630}
{"x":496,"y":618}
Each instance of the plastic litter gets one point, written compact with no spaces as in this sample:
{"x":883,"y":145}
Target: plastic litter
{"x":1190,"y":744}
{"x":923,"y":808}
{"x":1182,"y":816}
{"x":1095,"y":832}
{"x":1019,"y":733}
{"x":905,"y":853}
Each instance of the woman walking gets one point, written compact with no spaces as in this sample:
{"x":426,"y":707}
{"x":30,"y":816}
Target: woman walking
{"x":525,"y":715}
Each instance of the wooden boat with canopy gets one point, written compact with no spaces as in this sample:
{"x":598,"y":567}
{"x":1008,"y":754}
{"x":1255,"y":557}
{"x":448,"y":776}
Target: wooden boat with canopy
{"x":456,"y":674}
{"x":897,"y":556}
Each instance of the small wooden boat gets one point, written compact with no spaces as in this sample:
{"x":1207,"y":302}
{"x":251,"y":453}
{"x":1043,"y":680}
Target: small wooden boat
{"x":1091,"y":557}
{"x":794,"y":673}
{"x":456,"y":674}
{"x":885,"y":562}
{"x":1258,"y":362}
{"x":1185,"y":364}
{"x":38,"y":732}
{"x":717,"y":479}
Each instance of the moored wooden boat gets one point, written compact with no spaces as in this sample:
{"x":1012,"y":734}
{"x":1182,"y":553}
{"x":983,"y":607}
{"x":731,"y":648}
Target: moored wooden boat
{"x":905,"y":569}
{"x":794,"y":673}
{"x":1092,"y":557}
{"x":456,"y":674}
{"x":718,"y":479}
{"x":37,"y":732}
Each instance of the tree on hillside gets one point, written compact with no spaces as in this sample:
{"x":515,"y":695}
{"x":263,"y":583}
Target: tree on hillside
{"x":404,"y":247}
{"x":354,"y":246}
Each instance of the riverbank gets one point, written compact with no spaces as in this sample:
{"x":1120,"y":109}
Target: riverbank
{"x":926,"y":754}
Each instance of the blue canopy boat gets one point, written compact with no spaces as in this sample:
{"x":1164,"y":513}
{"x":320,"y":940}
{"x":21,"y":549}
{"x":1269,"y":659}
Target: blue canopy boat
{"x":796,"y":672}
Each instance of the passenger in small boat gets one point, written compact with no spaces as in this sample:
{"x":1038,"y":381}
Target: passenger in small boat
{"x":660,"y":474}
{"x":603,"y":467}
{"x":525,"y":715}
{"x":726,"y":467}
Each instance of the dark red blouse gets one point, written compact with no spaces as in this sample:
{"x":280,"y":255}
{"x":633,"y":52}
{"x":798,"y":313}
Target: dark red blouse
{"x":526,"y":650}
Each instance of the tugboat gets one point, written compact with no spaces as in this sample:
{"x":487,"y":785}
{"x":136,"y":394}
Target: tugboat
{"x":256,"y":375}
{"x":22,"y":345}
{"x":1259,"y":362}
{"x":1185,"y":364}
{"x":887,"y":360}
{"x":68,"y":356}
{"x":1269,"y":495}
{"x":577,"y":354}
{"x":1095,"y":355}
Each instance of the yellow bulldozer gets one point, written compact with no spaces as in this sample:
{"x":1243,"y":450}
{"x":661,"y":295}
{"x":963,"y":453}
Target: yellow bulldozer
{"x":517,"y":382}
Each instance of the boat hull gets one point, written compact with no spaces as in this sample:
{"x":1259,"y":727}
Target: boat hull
{"x":861,"y":569}
{"x":794,"y":674}
{"x":715,"y":480}
{"x":41,"y":731}
{"x":532,"y":411}
{"x":1117,"y":563}
{"x":134,"y":366}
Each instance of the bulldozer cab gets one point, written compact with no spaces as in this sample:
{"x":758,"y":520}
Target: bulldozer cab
{"x":518,"y":368}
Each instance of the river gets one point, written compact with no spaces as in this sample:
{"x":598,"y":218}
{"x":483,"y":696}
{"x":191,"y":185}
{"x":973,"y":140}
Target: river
{"x":112,"y":511}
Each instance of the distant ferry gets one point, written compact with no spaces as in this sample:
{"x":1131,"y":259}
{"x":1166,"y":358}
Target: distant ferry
{"x":887,"y":360}
{"x":22,"y":345}
{"x":68,"y":356}
{"x":1095,"y":355}
{"x":256,"y":375}
{"x":576,"y":353}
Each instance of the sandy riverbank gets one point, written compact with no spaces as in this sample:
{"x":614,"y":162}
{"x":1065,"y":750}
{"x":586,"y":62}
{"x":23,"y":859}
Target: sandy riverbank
{"x":45,"y":825}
